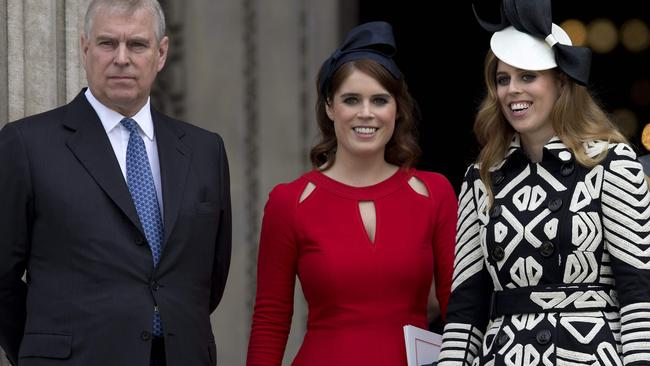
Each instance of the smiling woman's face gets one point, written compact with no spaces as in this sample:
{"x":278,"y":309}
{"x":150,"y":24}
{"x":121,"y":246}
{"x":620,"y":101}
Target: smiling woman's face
{"x":364,"y":114}
{"x":527,"y":98}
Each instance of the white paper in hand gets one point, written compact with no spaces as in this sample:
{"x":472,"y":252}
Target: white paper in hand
{"x":422,"y":346}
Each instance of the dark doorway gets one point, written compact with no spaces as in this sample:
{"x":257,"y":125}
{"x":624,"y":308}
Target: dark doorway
{"x":452,"y":40}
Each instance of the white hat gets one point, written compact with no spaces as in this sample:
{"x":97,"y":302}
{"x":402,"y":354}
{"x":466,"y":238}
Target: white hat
{"x":522,"y":40}
{"x":523,"y":51}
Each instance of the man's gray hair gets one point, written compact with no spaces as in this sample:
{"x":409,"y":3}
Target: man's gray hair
{"x":125,"y":7}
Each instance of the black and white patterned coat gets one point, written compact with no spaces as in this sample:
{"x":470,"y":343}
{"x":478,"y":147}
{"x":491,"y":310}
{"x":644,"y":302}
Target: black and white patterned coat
{"x":557,"y":272}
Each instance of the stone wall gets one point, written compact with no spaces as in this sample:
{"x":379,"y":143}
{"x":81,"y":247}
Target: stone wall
{"x":252,"y":80}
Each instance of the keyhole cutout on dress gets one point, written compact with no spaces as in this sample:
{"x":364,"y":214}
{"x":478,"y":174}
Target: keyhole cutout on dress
{"x":369,"y":218}
{"x":418,"y":186}
{"x":309,"y":188}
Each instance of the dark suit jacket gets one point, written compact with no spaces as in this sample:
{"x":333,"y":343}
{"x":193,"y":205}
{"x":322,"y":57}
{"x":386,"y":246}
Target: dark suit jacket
{"x":66,"y":216}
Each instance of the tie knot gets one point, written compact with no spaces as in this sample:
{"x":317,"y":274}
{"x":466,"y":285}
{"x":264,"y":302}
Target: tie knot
{"x":130,"y":124}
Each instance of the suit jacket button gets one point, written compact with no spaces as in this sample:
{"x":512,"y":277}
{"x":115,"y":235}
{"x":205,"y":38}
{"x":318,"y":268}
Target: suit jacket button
{"x":155,"y":285}
{"x":498,"y":253}
{"x":140,"y":241}
{"x":145,"y":336}
{"x":546,"y":249}
{"x":495,"y":212}
{"x":555,"y":204}
{"x":543,"y":336}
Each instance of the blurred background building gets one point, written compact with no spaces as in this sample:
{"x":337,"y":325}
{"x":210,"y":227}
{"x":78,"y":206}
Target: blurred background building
{"x":247,"y":69}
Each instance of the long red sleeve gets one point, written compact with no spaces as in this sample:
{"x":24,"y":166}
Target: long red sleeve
{"x":445,"y":207}
{"x":276,"y":274}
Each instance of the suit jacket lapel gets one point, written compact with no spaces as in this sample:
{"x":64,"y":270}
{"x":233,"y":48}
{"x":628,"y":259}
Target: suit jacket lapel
{"x":174,"y":159}
{"x":92,"y":147}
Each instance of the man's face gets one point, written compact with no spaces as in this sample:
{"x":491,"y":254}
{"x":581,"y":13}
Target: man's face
{"x":122,"y":58}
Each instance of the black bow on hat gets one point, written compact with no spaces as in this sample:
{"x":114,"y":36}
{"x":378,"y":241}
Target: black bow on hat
{"x":534,"y":17}
{"x":372,"y":40}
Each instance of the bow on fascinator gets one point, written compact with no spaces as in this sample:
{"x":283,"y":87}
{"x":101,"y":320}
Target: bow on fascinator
{"x":534,"y":18}
{"x":372,"y":41}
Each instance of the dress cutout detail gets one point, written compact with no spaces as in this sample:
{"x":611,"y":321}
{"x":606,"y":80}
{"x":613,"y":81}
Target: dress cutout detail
{"x":368,"y":216}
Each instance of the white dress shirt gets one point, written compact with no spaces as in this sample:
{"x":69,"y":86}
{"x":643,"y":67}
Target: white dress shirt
{"x":119,"y":137}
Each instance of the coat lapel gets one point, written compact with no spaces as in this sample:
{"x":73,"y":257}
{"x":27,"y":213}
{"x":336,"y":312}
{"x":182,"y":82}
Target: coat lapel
{"x":174,"y":159}
{"x":91,"y":146}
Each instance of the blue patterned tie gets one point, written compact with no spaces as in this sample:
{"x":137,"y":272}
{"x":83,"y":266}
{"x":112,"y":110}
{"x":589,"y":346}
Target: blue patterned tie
{"x":143,"y":192}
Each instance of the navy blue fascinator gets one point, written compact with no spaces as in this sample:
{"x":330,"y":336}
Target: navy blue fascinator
{"x":373,"y":40}
{"x":527,"y":38}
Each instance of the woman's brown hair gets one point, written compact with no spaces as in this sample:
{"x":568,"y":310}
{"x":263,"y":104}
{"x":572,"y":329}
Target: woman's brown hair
{"x":401,"y":150}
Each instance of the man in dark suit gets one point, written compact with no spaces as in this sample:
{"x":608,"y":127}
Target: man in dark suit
{"x":119,"y":215}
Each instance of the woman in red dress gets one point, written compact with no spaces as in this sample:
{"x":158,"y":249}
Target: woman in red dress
{"x":364,"y":232}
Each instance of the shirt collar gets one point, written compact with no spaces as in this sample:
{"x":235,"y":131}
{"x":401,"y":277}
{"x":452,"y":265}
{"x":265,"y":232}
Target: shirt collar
{"x":110,"y":118}
{"x":554,"y":149}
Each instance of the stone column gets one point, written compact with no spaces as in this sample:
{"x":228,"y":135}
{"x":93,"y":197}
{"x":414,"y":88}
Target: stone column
{"x":40,"y":64}
{"x":4,"y":97}
{"x":251,"y":70}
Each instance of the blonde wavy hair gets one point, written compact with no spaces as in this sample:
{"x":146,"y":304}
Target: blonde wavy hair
{"x":576,"y":118}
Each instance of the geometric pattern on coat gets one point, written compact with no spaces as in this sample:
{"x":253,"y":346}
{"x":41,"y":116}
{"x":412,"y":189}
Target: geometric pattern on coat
{"x":565,"y":249}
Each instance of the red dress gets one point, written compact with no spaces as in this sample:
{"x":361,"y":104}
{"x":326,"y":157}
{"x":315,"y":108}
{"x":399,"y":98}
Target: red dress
{"x":359,"y":293}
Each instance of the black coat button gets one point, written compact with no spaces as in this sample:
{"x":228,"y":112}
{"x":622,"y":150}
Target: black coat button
{"x":145,"y":336}
{"x":543,"y":336}
{"x":495,"y":212}
{"x":498,"y":253}
{"x":567,"y":169}
{"x":546,"y":249}
{"x":555,"y":204}
{"x":502,"y":340}
{"x":498,"y":177}
{"x":155,"y":285}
